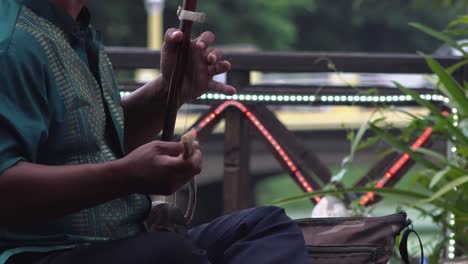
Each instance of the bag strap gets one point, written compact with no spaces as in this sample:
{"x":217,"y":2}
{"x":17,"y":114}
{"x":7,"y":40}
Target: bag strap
{"x":404,"y":243}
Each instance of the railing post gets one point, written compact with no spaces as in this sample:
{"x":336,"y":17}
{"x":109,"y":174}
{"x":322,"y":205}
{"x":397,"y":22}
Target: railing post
{"x":237,"y":185}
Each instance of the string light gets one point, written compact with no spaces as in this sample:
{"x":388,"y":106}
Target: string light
{"x":451,"y":248}
{"x":452,"y":241}
{"x":271,"y":98}
{"x":285,"y":158}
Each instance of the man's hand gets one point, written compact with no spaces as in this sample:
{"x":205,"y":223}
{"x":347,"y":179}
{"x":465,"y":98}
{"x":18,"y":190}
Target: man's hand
{"x":204,"y":62}
{"x":160,"y":168}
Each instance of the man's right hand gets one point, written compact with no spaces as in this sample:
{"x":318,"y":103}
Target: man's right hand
{"x":159,"y":167}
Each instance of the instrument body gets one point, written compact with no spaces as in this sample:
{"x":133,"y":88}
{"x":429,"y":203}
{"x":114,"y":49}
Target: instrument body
{"x":164,"y":216}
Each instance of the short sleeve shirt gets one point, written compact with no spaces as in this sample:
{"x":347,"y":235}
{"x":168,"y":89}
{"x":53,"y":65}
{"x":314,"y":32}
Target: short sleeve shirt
{"x":60,"y":105}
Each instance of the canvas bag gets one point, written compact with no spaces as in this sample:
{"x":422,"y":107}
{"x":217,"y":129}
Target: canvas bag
{"x":356,"y":239}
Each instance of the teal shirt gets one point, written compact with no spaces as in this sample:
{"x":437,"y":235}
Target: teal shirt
{"x":59,"y":105}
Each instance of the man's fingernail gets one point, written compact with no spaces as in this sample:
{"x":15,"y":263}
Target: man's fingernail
{"x":175,"y":33}
{"x":212,"y":58}
{"x":201,"y":45}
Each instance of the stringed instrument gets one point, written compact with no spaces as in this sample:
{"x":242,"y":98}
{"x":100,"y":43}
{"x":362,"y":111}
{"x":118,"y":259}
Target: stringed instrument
{"x":163,"y":215}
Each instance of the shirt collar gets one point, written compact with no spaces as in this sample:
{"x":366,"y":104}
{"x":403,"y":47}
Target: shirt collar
{"x":60,"y":17}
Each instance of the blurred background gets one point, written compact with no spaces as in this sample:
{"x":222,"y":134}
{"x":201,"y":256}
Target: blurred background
{"x":305,"y":25}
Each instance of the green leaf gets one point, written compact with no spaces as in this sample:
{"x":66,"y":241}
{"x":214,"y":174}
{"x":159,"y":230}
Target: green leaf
{"x":452,"y":88}
{"x":384,"y":191}
{"x":462,"y":151}
{"x":438,"y":176}
{"x":385,"y":153}
{"x":440,"y":158}
{"x":450,"y":70}
{"x":368,"y":142}
{"x":458,"y":32}
{"x":436,"y":112}
{"x":438,"y":35}
{"x":447,"y":188}
{"x":404,"y":193}
{"x":459,"y":21}
{"x":458,"y":171}
{"x":358,"y":138}
{"x":394,"y":142}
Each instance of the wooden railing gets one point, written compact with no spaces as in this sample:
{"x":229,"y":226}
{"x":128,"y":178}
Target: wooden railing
{"x":236,"y":146}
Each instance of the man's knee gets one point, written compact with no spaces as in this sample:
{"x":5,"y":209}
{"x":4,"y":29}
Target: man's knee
{"x":266,"y":213}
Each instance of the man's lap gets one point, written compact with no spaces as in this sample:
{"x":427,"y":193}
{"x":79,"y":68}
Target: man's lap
{"x":258,"y":235}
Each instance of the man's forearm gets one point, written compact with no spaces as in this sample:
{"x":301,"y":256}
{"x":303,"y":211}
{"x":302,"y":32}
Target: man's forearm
{"x":144,"y":112}
{"x":31,"y":193}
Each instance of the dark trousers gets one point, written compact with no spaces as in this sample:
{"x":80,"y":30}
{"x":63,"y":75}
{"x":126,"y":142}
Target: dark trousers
{"x":258,"y":235}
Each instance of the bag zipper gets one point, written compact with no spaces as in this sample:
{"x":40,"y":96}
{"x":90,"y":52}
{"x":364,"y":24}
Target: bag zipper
{"x":399,"y":215}
{"x":344,"y":249}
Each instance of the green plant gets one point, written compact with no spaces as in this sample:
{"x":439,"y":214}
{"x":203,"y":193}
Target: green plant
{"x":442,"y":184}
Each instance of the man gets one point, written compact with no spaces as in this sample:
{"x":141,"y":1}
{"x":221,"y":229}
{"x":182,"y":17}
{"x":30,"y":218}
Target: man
{"x":74,"y":181}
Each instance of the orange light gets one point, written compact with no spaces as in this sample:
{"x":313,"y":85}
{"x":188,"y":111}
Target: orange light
{"x":265,"y":132}
{"x":400,"y":163}
{"x":380,"y":184}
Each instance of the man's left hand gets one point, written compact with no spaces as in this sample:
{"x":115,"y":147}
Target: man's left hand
{"x":203,"y":63}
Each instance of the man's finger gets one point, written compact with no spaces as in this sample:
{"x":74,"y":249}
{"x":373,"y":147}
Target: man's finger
{"x":196,"y":144}
{"x":219,"y":67}
{"x":173,"y":149}
{"x":222,"y":88}
{"x":205,"y":40}
{"x":191,"y":166}
{"x":172,"y":37}
{"x":214,"y":55}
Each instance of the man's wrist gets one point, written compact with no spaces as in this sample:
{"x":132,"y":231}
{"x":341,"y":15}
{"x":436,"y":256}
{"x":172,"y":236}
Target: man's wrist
{"x":120,"y":172}
{"x":160,"y":90}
